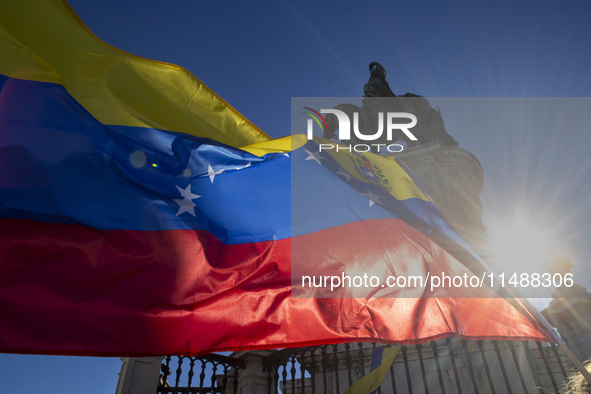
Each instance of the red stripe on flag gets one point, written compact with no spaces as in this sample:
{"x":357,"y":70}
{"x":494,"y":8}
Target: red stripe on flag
{"x":67,"y":289}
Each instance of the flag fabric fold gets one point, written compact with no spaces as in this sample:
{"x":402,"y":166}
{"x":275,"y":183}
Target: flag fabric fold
{"x":132,"y":224}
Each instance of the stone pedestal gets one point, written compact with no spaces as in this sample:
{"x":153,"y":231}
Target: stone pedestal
{"x":252,"y":379}
{"x":139,"y":375}
{"x":453,"y":179}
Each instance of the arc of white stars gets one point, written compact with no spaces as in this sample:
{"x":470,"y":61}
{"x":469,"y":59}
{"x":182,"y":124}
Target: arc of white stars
{"x":314,"y":156}
{"x":186,"y":204}
{"x":372,"y":198}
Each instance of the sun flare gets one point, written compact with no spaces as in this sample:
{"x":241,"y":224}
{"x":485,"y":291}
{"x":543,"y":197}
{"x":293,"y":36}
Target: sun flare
{"x":520,"y":246}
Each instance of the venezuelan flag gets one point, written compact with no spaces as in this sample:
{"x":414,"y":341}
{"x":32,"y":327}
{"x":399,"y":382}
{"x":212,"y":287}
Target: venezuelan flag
{"x":131,"y":223}
{"x":381,"y":361}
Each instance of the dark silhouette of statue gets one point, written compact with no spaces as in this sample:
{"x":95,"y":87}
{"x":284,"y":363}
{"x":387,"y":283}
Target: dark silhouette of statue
{"x":377,"y":86}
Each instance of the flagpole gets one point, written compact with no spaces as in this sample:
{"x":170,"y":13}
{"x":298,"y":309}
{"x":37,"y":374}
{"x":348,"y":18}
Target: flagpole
{"x":541,"y":319}
{"x":516,"y":294}
{"x":559,"y":341}
{"x":578,"y":365}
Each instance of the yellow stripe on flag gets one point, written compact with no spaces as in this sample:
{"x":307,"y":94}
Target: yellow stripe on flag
{"x":45,"y":41}
{"x":283,"y":144}
{"x":383,"y":171}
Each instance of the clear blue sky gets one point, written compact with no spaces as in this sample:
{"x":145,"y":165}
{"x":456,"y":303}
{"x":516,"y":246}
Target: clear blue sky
{"x":257,"y":55}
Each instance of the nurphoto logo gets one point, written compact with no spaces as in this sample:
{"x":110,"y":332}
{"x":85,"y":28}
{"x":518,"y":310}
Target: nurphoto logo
{"x":343,"y":124}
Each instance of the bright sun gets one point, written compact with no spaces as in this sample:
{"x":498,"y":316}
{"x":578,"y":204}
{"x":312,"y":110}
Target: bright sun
{"x":520,"y":246}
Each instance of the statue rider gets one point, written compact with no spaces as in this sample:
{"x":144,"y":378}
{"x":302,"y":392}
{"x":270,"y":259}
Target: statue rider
{"x":377,"y":86}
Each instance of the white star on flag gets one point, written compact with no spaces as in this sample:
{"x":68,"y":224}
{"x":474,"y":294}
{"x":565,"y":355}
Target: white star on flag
{"x":243,"y":167}
{"x":314,"y":156}
{"x":185,"y":204}
{"x":212,"y":173}
{"x":372,"y":198}
{"x":344,"y":174}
